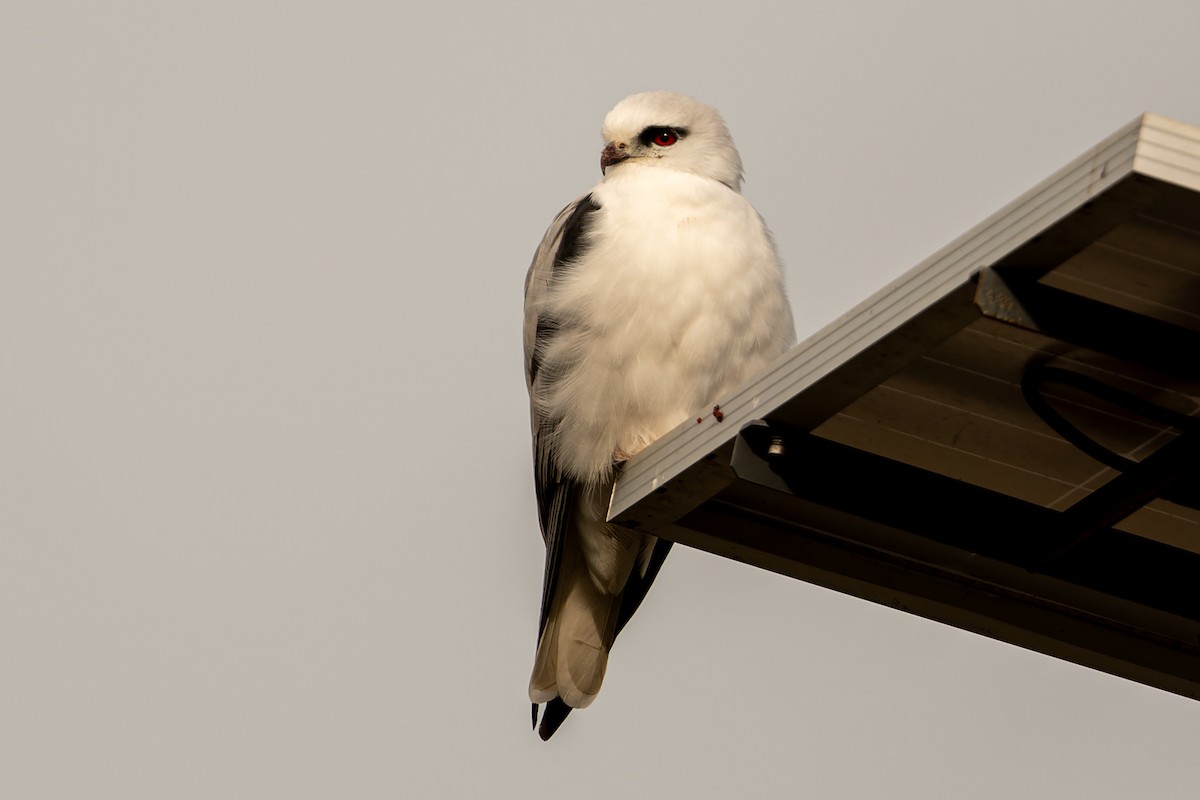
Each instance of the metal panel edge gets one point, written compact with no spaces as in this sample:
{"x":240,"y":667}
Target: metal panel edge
{"x":1089,"y":175}
{"x":1169,"y":151}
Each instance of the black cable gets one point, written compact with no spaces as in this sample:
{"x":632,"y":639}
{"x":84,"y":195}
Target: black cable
{"x":1033,"y":386}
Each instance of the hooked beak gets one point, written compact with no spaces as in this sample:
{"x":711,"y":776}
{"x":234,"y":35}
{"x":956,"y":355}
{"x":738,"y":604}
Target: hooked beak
{"x":612,"y":154}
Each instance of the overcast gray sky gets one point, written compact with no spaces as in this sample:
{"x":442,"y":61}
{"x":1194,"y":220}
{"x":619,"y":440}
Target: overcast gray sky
{"x":266,"y":508}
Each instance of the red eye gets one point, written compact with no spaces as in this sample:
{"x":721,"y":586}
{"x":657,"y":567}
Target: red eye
{"x":665,"y":138}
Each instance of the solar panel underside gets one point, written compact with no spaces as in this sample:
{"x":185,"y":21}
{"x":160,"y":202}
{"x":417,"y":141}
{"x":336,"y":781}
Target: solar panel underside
{"x":964,"y":409}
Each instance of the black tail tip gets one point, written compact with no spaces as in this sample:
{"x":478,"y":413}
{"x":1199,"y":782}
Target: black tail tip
{"x":556,"y":712}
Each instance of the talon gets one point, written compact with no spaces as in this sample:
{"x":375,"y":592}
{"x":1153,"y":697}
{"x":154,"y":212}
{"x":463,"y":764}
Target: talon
{"x":718,"y":414}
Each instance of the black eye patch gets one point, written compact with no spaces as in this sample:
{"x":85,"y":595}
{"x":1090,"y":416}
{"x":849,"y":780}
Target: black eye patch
{"x":661,"y":135}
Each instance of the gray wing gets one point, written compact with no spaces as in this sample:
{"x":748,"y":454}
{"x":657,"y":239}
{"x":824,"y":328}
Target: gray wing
{"x":556,"y":495}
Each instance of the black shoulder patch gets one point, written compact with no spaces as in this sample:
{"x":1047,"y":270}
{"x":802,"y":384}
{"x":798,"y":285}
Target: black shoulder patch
{"x":571,"y":244}
{"x":570,"y":247}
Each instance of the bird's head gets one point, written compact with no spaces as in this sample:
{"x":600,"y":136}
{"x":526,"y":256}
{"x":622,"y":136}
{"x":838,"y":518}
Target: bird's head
{"x":674,"y":131}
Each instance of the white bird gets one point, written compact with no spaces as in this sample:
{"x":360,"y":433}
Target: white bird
{"x":648,"y":299}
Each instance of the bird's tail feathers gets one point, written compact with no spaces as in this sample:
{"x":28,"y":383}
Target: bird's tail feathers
{"x":572,"y":652}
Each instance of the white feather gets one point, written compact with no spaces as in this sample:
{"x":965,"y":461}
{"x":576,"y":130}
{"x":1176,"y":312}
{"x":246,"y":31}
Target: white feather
{"x":678,"y":299}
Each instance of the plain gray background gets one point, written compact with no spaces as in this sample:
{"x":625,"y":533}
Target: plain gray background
{"x":265,"y":493}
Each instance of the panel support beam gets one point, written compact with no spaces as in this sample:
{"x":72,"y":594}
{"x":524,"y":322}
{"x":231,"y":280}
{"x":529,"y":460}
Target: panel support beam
{"x":1016,"y":297}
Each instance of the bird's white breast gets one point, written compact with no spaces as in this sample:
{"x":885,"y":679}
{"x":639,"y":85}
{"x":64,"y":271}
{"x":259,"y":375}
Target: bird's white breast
{"x":677,"y":298}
